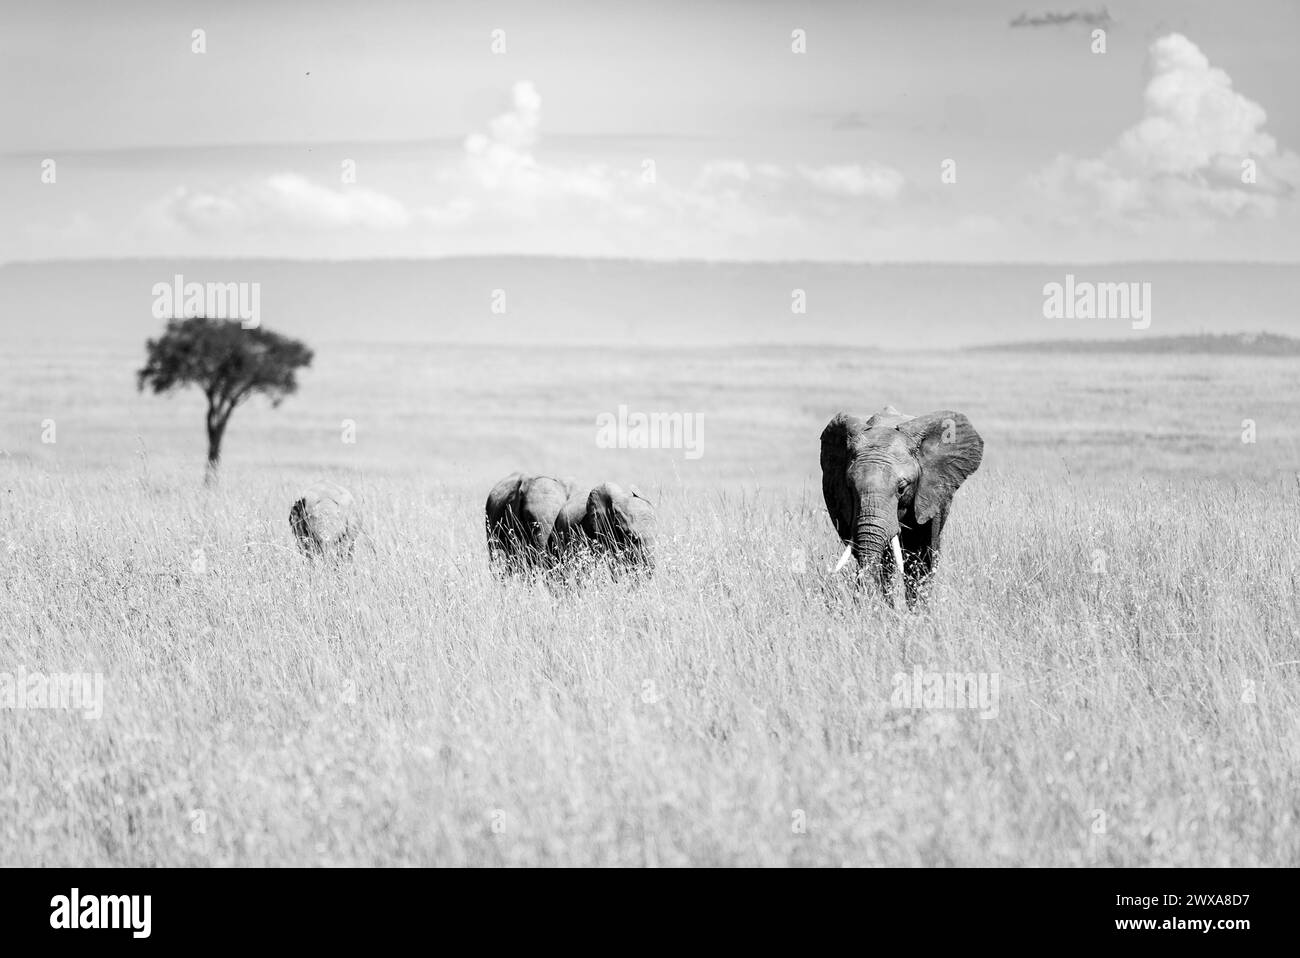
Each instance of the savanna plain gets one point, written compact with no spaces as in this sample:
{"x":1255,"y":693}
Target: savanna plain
{"x":1123,"y":562}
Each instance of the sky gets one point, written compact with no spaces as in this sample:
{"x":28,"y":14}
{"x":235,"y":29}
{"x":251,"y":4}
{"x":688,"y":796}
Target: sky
{"x":928,"y":130}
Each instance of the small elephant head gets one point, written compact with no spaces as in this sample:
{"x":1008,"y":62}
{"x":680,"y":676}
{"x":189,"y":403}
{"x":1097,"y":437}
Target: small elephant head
{"x":893,"y":470}
{"x":622,"y":522}
{"x":612,"y":521}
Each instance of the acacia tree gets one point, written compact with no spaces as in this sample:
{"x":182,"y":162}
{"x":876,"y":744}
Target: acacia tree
{"x":228,"y":362}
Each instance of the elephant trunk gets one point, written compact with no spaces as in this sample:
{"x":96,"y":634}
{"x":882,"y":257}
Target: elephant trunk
{"x":876,"y":526}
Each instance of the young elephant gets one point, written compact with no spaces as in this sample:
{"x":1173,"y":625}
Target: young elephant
{"x":520,"y":514}
{"x":888,"y":482}
{"x":614,"y":524}
{"x":325,"y":520}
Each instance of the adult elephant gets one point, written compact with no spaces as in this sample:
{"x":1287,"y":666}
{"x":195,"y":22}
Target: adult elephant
{"x":888,"y":482}
{"x":615,"y":524}
{"x":520,"y":514}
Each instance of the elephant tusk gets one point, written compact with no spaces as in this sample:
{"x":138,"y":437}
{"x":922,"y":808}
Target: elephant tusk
{"x":844,"y":559}
{"x":898,"y":564}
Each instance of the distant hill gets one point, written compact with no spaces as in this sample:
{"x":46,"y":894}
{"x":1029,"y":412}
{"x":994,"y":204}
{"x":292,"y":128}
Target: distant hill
{"x":1222,"y":344}
{"x":555,"y":301}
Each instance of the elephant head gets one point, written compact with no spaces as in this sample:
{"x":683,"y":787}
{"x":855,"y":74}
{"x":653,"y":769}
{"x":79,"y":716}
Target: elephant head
{"x":888,"y":482}
{"x":616,"y":523}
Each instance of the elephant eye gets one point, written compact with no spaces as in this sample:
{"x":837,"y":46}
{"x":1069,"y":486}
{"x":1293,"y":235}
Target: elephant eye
{"x":902,"y":485}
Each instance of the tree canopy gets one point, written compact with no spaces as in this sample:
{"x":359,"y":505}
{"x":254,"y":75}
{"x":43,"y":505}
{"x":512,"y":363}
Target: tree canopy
{"x":228,"y":362}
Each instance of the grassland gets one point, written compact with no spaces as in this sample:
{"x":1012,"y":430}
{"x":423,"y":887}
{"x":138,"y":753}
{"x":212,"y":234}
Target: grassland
{"x":1123,"y":562}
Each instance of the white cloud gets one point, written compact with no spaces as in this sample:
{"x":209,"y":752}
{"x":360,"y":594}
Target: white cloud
{"x":875,"y":182}
{"x":503,"y":157}
{"x":502,"y":178}
{"x":1184,"y":159}
{"x":280,"y":201}
{"x":854,"y":180}
{"x":501,"y":187}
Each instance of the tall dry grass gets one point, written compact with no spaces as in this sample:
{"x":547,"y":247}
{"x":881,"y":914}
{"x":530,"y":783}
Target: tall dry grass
{"x":410,"y":709}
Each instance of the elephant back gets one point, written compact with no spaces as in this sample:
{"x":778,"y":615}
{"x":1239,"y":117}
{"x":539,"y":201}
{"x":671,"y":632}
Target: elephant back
{"x":325,"y":520}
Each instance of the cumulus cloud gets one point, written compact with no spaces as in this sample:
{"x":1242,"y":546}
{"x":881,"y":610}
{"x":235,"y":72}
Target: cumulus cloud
{"x":282,"y":200}
{"x":877,"y":182}
{"x":505,"y":178}
{"x":504,"y":185}
{"x":501,"y":160}
{"x":499,"y":174}
{"x":503,"y":155}
{"x":778,"y":190}
{"x":1184,"y":159}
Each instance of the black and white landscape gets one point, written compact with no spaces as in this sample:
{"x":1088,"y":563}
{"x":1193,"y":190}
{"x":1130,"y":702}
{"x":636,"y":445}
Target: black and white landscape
{"x":730,"y":307}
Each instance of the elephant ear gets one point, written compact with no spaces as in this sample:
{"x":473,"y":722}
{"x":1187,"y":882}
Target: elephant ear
{"x":948,"y":449}
{"x":603,"y":512}
{"x":501,"y":495}
{"x":836,"y":437}
{"x":637,"y":513}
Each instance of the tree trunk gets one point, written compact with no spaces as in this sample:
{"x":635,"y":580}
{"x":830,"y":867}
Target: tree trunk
{"x":216,"y":429}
